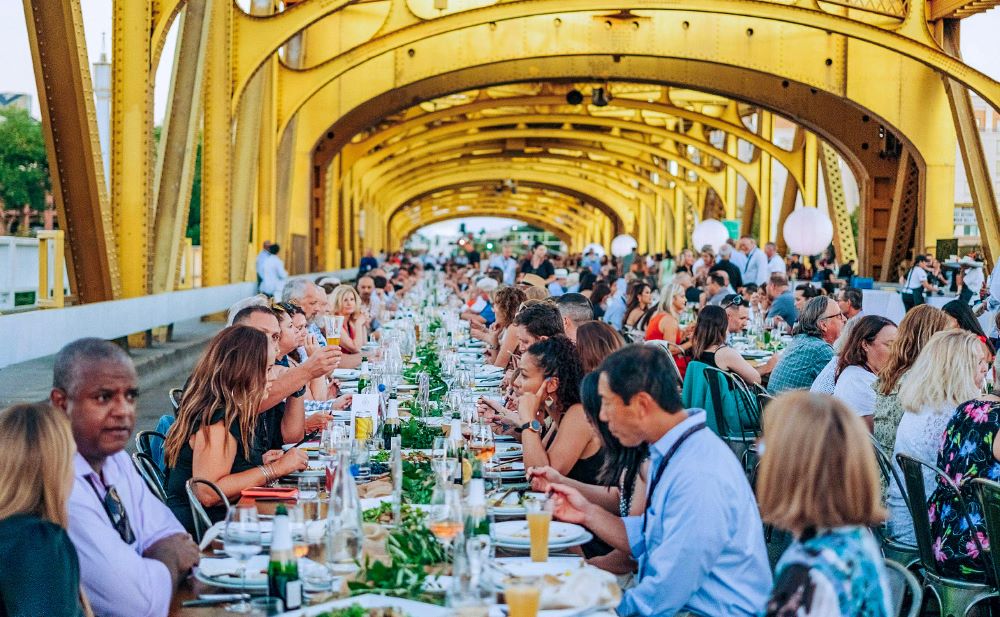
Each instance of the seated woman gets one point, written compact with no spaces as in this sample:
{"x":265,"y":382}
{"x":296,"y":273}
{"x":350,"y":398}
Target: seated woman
{"x":708,"y":345}
{"x":595,"y":341}
{"x":214,"y":433}
{"x":640,"y":298}
{"x":294,"y":337}
{"x":948,"y":371}
{"x":499,"y":337}
{"x":966,"y":320}
{"x":866,"y":350}
{"x":665,"y":325}
{"x":619,"y":487}
{"x":554,"y":427}
{"x":970,"y":449}
{"x":814,"y":440}
{"x":345,"y":302}
{"x":40,"y":574}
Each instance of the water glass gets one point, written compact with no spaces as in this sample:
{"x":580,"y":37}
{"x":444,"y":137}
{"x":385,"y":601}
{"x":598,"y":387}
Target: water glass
{"x":266,"y":607}
{"x":309,"y":497}
{"x":241,"y":539}
{"x":361,"y":461}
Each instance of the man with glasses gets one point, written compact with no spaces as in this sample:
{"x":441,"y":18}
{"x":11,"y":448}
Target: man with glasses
{"x":133,"y":552}
{"x":811,"y":349}
{"x":737,"y":311}
{"x":717,"y":288}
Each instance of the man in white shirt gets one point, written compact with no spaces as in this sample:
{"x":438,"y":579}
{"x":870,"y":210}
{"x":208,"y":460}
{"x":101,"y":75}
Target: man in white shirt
{"x":916,"y":283}
{"x":775,"y":262}
{"x":972,"y":280}
{"x":738,"y":257}
{"x":755,"y":270}
{"x":506,"y":263}
{"x":259,"y":263}
{"x":133,"y":553}
{"x":273,"y":276}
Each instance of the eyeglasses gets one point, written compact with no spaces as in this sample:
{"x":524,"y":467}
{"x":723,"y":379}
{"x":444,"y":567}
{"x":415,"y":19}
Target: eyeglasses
{"x":115,"y":510}
{"x":839,"y":315}
{"x":736,"y":301}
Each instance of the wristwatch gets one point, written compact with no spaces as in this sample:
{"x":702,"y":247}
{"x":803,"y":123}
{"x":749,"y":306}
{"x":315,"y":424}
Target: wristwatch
{"x":534,"y":425}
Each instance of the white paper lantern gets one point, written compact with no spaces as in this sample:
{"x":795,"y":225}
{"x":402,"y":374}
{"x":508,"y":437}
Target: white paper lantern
{"x":622,"y":245}
{"x":597,"y":248}
{"x":710,"y":232}
{"x":808,"y":231}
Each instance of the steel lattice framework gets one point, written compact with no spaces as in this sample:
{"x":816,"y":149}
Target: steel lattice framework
{"x":332,"y":125}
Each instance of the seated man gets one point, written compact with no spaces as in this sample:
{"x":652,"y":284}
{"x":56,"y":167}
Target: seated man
{"x":699,"y":544}
{"x":812,"y":347}
{"x":133,"y":552}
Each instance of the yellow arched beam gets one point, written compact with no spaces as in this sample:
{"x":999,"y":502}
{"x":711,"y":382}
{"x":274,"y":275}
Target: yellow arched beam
{"x":623,"y":207}
{"x":457,"y":156}
{"x":164,"y":14}
{"x":729,"y":122}
{"x":300,"y":85}
{"x":576,"y":199}
{"x":715,"y":179}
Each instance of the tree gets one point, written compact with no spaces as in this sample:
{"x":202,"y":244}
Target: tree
{"x":24,"y":166}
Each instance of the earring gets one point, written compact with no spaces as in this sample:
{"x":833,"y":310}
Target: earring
{"x":549,"y":401}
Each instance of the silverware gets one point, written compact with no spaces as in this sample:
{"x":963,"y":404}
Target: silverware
{"x":498,"y":502}
{"x":215,"y":599}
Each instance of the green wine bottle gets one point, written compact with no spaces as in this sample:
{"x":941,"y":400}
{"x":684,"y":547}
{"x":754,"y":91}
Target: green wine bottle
{"x":283,"y":568}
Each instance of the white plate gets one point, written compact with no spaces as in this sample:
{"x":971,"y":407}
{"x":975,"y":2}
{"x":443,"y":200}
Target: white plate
{"x":256,"y":576}
{"x":346,"y":373}
{"x":509,"y":510}
{"x":509,"y":450}
{"x":406,"y":387}
{"x":523,"y":566}
{"x":524,"y":548}
{"x":370,"y":600}
{"x":516,"y":532}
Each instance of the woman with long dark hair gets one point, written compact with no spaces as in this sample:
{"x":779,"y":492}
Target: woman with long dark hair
{"x":213,"y":437}
{"x":709,"y":345}
{"x":638,"y":303}
{"x":554,"y":427}
{"x":595,"y":341}
{"x":599,"y":297}
{"x":966,"y":320}
{"x":865,"y":352}
{"x":620,"y":484}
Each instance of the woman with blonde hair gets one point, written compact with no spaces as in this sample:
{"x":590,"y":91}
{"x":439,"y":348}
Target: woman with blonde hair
{"x":216,"y":434}
{"x":818,"y":480}
{"x":916,"y":328}
{"x":345,"y":302}
{"x":949,"y":371}
{"x":40,"y":574}
{"x":665,"y":324}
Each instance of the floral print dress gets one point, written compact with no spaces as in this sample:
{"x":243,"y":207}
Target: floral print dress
{"x":830,"y":573}
{"x":966,"y":453}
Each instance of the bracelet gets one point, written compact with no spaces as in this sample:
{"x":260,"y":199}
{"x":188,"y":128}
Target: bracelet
{"x":267,"y":476}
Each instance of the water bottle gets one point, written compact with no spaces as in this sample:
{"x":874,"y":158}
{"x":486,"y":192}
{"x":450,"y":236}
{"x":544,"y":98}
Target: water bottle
{"x":344,"y":524}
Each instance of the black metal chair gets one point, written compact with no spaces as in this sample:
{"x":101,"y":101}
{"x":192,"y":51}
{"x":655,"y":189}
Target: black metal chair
{"x":955,"y":596}
{"x":901,"y":552}
{"x":151,"y":474}
{"x":143,"y":441}
{"x":202,"y":521}
{"x":988,"y":494}
{"x":902,"y":582}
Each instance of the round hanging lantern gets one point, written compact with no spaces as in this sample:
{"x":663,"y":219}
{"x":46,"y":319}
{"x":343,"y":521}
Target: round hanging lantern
{"x":710,"y":232}
{"x":808,"y":231}
{"x":622,"y":245}
{"x":593,"y":246}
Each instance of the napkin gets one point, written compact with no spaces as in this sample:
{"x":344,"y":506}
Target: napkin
{"x":213,"y":567}
{"x":583,"y":588}
{"x":378,"y":488}
{"x":215,"y":532}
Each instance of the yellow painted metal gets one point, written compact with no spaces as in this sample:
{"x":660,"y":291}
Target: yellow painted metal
{"x":131,"y":142}
{"x":216,"y":156}
{"x":50,"y":241}
{"x":264,"y":225}
{"x":810,"y":172}
{"x":766,"y":130}
{"x":731,"y":184}
{"x":977,"y":171}
{"x":178,"y":147}
{"x":66,"y":99}
{"x":843,"y":235}
{"x":186,"y":280}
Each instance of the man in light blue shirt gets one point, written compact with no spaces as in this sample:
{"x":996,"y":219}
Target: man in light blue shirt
{"x":506,"y":263}
{"x":614,"y":314}
{"x":700,"y":544}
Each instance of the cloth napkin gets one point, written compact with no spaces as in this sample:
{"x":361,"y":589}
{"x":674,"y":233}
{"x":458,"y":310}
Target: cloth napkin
{"x":212,"y":567}
{"x":215,"y":531}
{"x":378,"y":488}
{"x":582,"y":588}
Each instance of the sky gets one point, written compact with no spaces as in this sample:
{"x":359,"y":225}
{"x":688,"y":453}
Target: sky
{"x":979,"y":47}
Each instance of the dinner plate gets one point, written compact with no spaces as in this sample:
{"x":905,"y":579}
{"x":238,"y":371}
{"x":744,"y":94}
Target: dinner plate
{"x":508,"y":449}
{"x":518,"y":547}
{"x":513,"y":470}
{"x":509,"y":510}
{"x":516,"y":532}
{"x":346,"y":373}
{"x":371,"y":600}
{"x":254,"y":583}
{"x":524,"y":566}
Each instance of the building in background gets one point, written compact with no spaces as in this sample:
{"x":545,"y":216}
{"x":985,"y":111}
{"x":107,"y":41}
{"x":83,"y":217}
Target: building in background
{"x":988,"y":122}
{"x":17,"y":100}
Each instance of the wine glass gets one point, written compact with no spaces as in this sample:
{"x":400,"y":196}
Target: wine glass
{"x":242,"y":540}
{"x":481,"y":442}
{"x":446,"y":520}
{"x":442,"y":462}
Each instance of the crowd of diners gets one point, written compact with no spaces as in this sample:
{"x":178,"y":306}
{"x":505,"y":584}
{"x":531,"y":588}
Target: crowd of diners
{"x":596,"y":352}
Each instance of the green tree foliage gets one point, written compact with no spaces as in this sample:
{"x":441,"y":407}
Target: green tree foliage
{"x":24,"y":167}
{"x":194,"y":212}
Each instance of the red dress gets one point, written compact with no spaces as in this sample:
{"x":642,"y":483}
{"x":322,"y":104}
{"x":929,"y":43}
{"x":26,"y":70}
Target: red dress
{"x":654,"y":333}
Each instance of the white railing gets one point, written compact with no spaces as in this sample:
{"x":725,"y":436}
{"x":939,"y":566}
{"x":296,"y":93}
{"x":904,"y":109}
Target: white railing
{"x":19,"y":270}
{"x":35,"y":334}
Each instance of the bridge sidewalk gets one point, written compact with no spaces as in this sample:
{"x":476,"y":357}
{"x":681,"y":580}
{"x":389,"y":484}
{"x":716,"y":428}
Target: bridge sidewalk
{"x":164,"y":366}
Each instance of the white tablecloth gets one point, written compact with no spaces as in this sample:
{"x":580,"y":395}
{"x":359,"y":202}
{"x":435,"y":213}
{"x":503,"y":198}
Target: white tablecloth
{"x":889,"y":303}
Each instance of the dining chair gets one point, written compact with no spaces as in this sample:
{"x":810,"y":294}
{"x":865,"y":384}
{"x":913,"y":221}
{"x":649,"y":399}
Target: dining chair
{"x":144,"y":439}
{"x":174,"y":396}
{"x":901,"y":552}
{"x":202,"y":521}
{"x":150,"y":474}
{"x":671,"y":349}
{"x":955,"y":597}
{"x":988,"y":494}
{"x":902,"y":582}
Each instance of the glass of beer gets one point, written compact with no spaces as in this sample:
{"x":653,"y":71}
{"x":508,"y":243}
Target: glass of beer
{"x":523,"y":598}
{"x":539,"y":518}
{"x":334,"y":324}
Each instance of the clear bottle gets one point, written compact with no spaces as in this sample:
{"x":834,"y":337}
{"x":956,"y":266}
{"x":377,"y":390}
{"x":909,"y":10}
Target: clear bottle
{"x":344,"y":525}
{"x":283,"y":568}
{"x":365,"y":379}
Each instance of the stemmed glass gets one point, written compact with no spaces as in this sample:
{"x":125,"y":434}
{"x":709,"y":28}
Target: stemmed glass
{"x":446,"y":520}
{"x":482,"y":442}
{"x":241,"y":541}
{"x":442,"y":462}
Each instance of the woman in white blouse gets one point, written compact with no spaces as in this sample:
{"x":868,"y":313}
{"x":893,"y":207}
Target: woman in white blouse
{"x":949,"y":371}
{"x":864,"y":353}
